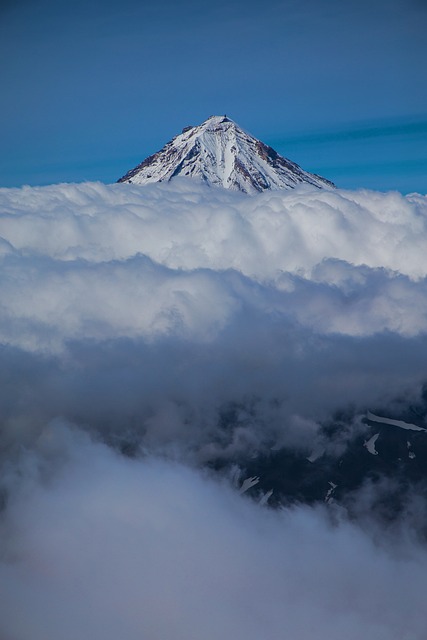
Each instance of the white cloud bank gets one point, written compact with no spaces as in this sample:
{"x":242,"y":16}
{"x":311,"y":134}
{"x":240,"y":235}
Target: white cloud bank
{"x":106,"y":261}
{"x":142,"y":315}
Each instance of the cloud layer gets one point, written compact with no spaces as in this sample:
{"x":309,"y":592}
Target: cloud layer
{"x":182,"y":325}
{"x":166,"y":304}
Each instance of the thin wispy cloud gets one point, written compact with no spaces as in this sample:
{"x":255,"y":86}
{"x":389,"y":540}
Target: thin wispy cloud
{"x":392,"y":151}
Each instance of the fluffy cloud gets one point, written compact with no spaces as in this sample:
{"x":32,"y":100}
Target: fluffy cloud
{"x":188,"y":226}
{"x":180,"y":323}
{"x":161,"y":306}
{"x":97,"y":261}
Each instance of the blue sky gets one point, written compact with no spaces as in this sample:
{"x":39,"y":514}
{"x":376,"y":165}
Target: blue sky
{"x":91,"y":88}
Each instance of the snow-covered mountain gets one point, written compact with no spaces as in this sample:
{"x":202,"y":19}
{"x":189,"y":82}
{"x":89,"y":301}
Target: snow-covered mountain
{"x":220,"y":153}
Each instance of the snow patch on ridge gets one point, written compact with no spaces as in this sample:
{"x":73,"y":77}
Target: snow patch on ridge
{"x":370,"y":444}
{"x":395,"y":423}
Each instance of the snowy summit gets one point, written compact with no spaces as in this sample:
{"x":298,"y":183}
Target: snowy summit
{"x":220,"y":153}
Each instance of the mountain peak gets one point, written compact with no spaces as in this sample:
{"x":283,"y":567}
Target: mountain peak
{"x":220,"y":153}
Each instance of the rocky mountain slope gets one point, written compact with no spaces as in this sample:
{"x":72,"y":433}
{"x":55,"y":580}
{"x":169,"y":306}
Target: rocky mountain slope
{"x":220,"y":153}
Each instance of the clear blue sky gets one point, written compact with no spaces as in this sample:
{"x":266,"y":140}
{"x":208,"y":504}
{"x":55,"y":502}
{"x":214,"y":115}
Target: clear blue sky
{"x":90,"y":88}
